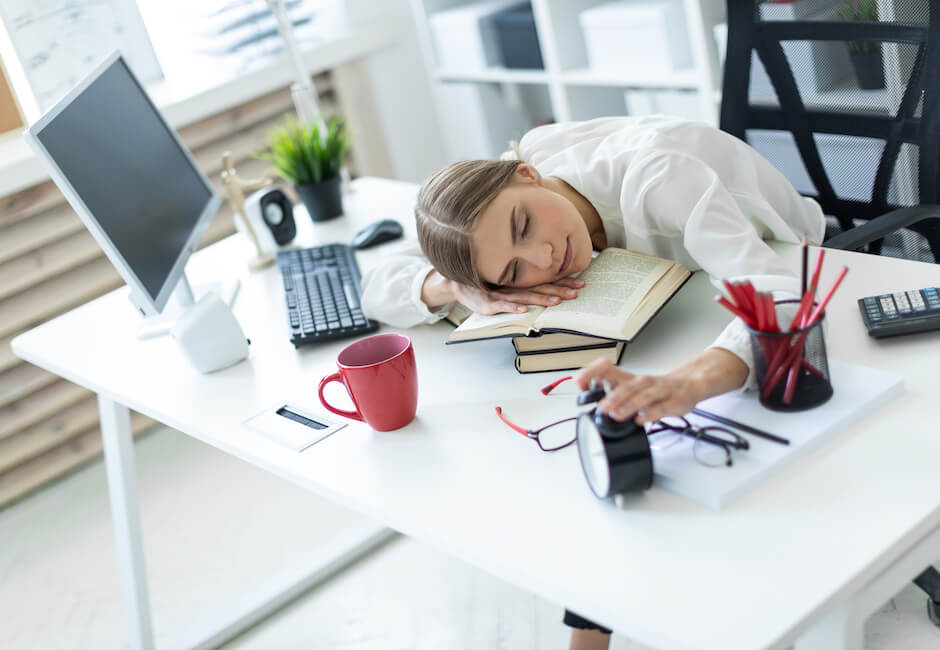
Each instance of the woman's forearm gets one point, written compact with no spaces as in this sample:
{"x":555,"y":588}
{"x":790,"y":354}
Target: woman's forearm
{"x":714,"y":372}
{"x":437,"y":290}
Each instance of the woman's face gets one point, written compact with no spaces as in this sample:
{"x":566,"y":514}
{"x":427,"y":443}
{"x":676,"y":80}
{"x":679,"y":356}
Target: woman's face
{"x":530,"y":235}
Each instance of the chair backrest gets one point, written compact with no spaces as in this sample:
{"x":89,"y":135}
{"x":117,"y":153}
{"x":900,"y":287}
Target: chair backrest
{"x":845,"y":103}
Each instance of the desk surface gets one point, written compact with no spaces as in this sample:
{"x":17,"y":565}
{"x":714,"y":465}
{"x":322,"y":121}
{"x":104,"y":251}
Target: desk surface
{"x":665,"y":571}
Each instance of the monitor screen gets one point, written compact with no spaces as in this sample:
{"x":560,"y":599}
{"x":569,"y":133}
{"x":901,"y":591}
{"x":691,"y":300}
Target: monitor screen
{"x":123,"y":162}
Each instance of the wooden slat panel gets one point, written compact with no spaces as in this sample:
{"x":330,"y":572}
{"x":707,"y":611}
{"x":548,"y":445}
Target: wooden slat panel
{"x":50,"y":260}
{"x":69,"y":456}
{"x":246,"y":143}
{"x":7,"y":358}
{"x":21,"y":380}
{"x":42,"y":404}
{"x":223,"y":125}
{"x":57,"y":295}
{"x":22,"y":237}
{"x":51,"y":432}
{"x":29,"y":235}
{"x":41,"y":197}
{"x":29,"y":202}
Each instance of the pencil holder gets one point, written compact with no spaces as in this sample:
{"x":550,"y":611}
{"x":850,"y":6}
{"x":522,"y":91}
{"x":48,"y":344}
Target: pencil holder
{"x":791,"y":367}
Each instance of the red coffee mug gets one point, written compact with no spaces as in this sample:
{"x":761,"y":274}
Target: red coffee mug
{"x":380,"y":375}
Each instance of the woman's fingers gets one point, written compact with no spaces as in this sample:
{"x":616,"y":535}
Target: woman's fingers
{"x":670,"y":406}
{"x":573,"y":283}
{"x":634,"y":395}
{"x":600,"y":369}
{"x":646,"y":399}
{"x":527,"y":297}
{"x":501,"y":307}
{"x":643,"y":397}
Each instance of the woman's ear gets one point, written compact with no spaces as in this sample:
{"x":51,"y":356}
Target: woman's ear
{"x":528,"y":173}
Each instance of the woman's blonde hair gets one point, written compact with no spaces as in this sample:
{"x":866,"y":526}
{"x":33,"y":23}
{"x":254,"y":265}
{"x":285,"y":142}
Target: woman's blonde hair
{"x":449,"y":203}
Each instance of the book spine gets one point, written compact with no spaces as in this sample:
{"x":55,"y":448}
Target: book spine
{"x":576,"y":348}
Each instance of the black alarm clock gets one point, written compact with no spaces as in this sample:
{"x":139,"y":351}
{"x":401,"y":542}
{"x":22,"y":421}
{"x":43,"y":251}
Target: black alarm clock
{"x":615,"y":456}
{"x":271,"y":209}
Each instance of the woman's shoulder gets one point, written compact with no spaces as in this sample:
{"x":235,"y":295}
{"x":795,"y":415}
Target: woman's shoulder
{"x":604,"y":135}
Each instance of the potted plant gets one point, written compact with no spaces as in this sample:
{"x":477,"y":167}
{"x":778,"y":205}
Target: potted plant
{"x":311,"y":154}
{"x":865,"y":55}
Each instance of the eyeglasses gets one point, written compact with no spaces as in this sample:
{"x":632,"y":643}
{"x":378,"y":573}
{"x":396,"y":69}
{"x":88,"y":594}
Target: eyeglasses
{"x":711,"y":445}
{"x":551,"y":437}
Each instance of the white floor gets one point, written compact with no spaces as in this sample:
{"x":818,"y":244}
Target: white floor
{"x":215,"y":528}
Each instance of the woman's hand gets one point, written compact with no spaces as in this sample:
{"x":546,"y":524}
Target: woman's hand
{"x":647,"y":398}
{"x":438,"y":290}
{"x":500,"y":301}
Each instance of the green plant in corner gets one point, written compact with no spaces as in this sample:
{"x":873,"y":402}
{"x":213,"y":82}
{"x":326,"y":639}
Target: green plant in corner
{"x":308,"y":153}
{"x":860,"y":11}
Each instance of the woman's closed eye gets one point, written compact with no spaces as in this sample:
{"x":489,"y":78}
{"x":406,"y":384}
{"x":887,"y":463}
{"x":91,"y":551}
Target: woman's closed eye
{"x":522,"y":234}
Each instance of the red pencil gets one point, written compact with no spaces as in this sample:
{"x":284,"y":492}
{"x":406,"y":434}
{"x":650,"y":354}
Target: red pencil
{"x":794,"y":357}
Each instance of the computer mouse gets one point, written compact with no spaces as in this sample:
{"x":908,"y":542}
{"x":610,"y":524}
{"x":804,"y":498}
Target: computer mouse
{"x":377,"y":233}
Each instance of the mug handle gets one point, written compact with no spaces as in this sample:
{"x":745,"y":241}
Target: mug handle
{"x":347,"y":414}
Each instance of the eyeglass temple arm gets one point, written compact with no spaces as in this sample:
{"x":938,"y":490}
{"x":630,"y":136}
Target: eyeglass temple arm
{"x":514,"y":427}
{"x":552,"y":386}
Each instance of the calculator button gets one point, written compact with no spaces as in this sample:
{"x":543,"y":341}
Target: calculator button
{"x":887,"y":305}
{"x":870,"y":301}
{"x":904,"y":306}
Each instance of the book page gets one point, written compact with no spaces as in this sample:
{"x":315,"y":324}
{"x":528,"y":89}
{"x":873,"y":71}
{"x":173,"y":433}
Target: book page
{"x":615,"y":283}
{"x":491,"y":325}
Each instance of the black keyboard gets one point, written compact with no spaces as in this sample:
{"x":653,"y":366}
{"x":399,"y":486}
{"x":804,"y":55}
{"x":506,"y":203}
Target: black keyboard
{"x":322,"y":286}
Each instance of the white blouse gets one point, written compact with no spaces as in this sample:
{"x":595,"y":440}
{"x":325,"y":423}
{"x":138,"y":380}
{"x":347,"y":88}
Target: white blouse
{"x":679,"y":190}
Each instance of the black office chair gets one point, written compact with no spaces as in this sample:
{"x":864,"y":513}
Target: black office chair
{"x":863,"y":140}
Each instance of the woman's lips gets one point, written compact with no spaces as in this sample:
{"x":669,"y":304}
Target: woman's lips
{"x":566,"y":261}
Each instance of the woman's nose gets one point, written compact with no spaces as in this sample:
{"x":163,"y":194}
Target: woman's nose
{"x":540,"y":256}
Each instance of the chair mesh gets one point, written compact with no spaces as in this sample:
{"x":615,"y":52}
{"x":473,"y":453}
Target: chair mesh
{"x":838,"y":76}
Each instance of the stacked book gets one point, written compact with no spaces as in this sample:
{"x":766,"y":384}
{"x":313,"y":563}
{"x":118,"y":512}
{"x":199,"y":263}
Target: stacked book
{"x":563,"y":351}
{"x":623,"y":291}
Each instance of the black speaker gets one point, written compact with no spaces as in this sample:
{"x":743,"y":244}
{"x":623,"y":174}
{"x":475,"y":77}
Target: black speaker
{"x":271,"y":207}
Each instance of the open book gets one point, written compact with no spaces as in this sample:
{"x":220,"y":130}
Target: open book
{"x":623,"y":291}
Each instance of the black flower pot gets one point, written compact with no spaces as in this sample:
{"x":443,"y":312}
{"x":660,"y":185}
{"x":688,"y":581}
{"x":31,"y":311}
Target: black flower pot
{"x":869,"y":69}
{"x":323,"y":200}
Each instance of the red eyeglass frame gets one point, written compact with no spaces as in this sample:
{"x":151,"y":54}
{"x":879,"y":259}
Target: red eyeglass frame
{"x":533,"y":434}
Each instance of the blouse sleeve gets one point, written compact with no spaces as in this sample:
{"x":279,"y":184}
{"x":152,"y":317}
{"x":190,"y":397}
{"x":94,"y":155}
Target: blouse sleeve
{"x":391,"y":290}
{"x":681,"y":196}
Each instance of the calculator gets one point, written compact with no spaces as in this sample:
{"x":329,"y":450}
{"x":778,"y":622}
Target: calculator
{"x":904,"y":312}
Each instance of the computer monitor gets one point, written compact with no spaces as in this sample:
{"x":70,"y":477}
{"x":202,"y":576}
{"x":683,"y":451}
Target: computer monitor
{"x":131,"y":180}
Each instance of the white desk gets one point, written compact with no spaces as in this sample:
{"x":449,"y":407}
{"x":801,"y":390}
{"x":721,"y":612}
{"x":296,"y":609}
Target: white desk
{"x":803,"y":559}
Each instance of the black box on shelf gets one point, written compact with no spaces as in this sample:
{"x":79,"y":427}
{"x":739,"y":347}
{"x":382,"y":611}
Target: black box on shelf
{"x":516,"y":38}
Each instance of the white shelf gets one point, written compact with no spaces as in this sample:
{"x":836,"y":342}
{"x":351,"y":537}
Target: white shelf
{"x":574,"y":90}
{"x":685,"y":79}
{"x":494,"y":75}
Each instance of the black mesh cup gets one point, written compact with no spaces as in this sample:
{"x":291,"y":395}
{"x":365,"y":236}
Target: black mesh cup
{"x":791,"y":367}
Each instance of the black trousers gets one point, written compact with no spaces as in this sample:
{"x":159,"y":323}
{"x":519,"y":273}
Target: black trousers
{"x":573,"y":620}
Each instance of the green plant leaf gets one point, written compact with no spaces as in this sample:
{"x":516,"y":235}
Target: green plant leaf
{"x":309,"y":152}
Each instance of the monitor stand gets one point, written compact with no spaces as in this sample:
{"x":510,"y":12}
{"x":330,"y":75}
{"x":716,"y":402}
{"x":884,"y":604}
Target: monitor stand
{"x":180,"y":300}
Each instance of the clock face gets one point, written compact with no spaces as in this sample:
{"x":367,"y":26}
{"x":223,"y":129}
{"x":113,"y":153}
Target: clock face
{"x":274,"y":213}
{"x":593,"y":456}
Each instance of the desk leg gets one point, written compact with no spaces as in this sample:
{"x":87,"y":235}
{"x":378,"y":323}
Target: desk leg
{"x":118,"y":441}
{"x":843,"y":628}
